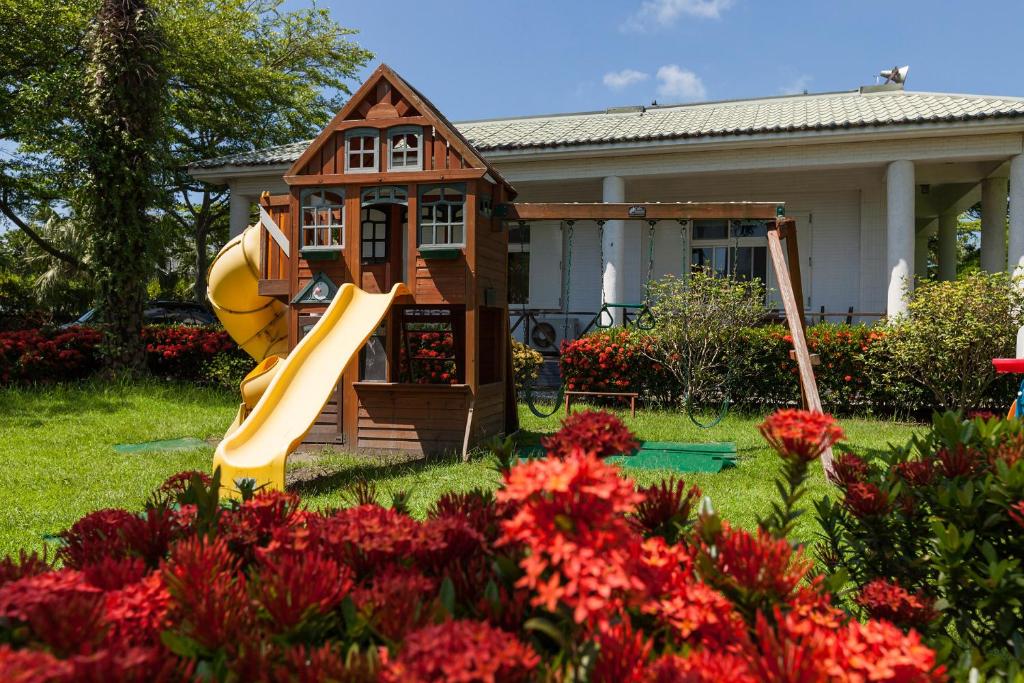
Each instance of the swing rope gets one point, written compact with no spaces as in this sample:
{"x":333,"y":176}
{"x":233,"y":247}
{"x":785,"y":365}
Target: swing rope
{"x":567,"y":289}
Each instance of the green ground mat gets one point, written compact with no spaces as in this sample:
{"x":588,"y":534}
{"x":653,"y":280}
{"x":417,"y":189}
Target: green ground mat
{"x":667,"y":455}
{"x":186,"y":444}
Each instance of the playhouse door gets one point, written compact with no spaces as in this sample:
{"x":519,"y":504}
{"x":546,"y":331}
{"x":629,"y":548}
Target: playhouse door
{"x":380,"y":248}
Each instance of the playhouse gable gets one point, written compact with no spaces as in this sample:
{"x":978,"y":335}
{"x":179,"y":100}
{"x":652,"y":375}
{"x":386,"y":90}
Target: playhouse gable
{"x":387,"y":127}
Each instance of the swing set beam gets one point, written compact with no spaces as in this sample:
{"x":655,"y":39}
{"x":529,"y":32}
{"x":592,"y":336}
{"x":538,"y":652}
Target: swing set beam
{"x":543,"y":211}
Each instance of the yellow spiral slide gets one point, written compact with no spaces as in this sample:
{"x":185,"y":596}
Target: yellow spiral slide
{"x":282,"y":396}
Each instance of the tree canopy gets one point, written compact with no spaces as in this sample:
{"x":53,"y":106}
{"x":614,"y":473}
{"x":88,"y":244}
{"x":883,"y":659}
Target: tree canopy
{"x":240,"y":74}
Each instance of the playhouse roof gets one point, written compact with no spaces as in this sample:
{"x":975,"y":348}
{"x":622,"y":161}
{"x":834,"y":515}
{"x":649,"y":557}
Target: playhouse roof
{"x":866,"y":108}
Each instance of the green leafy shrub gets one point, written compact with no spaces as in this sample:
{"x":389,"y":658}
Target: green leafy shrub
{"x":700,"y":323}
{"x":227,"y":369}
{"x":526,"y":364}
{"x":952,"y":332}
{"x":931,"y":535}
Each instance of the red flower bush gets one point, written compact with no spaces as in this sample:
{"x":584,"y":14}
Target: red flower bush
{"x":885,"y":600}
{"x":567,"y":571}
{"x":864,"y":499}
{"x":591,"y":431}
{"x":800,"y":433}
{"x":73,"y":353}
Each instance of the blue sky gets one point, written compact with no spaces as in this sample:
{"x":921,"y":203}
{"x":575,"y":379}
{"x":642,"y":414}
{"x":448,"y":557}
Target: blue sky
{"x":494,"y":58}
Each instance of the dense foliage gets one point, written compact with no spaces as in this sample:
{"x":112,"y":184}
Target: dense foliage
{"x":179,"y":352}
{"x":526,"y":364}
{"x":569,"y":572}
{"x":700,"y":321}
{"x":857,"y":371}
{"x":952,"y":332}
{"x":932,"y":537}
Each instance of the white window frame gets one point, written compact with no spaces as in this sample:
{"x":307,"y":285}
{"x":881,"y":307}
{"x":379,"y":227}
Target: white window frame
{"x":730,"y":244}
{"x":448,"y":225}
{"x":405,"y":166}
{"x":375,"y":151}
{"x":305,"y":204}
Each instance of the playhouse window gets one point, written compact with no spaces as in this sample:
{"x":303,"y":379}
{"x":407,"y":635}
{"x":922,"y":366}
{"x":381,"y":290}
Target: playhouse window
{"x":323,"y":218}
{"x":404,"y":145}
{"x":442,"y":219}
{"x":361,"y":150}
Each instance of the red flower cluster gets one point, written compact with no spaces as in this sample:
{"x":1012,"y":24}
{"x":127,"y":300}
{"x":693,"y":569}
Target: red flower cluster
{"x":433,"y":358}
{"x":591,"y":431}
{"x":614,"y":360}
{"x":885,"y":600}
{"x":865,"y":499}
{"x":562,"y":569}
{"x":800,"y":434}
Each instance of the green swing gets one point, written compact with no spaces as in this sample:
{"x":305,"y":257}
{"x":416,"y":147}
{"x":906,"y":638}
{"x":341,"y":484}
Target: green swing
{"x":645,"y":319}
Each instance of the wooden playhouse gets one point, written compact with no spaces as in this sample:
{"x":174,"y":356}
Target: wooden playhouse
{"x":390,"y":192}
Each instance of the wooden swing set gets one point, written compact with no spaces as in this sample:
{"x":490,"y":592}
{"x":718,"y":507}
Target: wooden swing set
{"x":780,"y":230}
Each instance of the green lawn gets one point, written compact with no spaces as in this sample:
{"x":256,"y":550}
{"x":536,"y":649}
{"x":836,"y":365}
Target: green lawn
{"x":58,"y":461}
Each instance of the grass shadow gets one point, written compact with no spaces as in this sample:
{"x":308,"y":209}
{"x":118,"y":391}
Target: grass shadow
{"x":332,"y":471}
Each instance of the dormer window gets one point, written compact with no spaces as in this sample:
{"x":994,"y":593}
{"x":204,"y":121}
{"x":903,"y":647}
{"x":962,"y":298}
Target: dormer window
{"x":361,"y":145}
{"x":323,"y":219}
{"x":404,"y":147}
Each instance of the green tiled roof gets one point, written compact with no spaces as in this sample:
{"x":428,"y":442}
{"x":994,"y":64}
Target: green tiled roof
{"x":776,"y":115}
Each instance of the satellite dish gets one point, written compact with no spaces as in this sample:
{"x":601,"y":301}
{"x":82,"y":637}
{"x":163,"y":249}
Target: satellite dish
{"x":897,"y":74}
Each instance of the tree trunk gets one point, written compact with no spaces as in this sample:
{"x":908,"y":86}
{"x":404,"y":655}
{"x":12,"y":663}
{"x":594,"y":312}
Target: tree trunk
{"x":202,"y":263}
{"x":125,"y":89}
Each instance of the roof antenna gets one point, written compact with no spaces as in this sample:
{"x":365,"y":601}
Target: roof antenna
{"x":897,"y":74}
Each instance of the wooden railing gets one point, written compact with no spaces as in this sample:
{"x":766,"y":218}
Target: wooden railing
{"x":274,"y":245}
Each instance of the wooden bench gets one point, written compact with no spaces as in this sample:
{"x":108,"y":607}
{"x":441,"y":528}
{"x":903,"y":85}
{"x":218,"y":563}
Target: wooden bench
{"x":632,"y":395}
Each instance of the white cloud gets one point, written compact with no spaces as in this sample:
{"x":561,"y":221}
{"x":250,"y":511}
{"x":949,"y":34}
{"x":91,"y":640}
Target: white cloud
{"x":665,"y":12}
{"x":617,"y":80}
{"x":797,"y":86}
{"x":680,"y":84}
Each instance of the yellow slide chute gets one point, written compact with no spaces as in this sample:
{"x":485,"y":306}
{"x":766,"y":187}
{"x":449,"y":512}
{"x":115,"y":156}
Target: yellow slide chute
{"x":282,"y":397}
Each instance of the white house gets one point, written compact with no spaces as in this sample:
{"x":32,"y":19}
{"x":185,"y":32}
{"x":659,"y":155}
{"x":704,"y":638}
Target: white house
{"x":870,"y":175}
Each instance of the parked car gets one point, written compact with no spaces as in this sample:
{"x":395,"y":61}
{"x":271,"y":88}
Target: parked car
{"x":161,"y":313}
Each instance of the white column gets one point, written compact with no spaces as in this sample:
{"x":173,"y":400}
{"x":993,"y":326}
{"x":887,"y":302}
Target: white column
{"x":899,"y":184}
{"x":993,"y":224}
{"x":921,"y":255}
{"x":613,"y":281}
{"x":238,"y":212}
{"x":947,"y":246}
{"x":1016,"y":262}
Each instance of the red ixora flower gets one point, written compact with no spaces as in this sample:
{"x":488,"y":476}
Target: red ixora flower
{"x":800,"y":434}
{"x":848,"y":469}
{"x":864,"y":499}
{"x":885,"y":600}
{"x":460,"y":652}
{"x":591,"y":431}
{"x":1017,"y":513}
{"x":917,"y":472}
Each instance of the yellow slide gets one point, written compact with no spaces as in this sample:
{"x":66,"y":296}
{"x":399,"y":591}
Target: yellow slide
{"x":302,"y":384}
{"x":258,"y":324}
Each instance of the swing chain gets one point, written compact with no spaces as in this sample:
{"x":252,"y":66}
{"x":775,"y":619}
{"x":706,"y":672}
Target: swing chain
{"x":600,"y":246}
{"x":568,"y":281}
{"x":683,"y":226}
{"x":650,"y":259}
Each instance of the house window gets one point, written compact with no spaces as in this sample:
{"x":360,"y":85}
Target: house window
{"x":519,"y":264}
{"x":361,"y":150}
{"x":442,"y":220}
{"x":736,"y":248}
{"x":374,"y":235}
{"x":323,"y":219}
{"x":385,"y":194}
{"x":404,"y":145}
